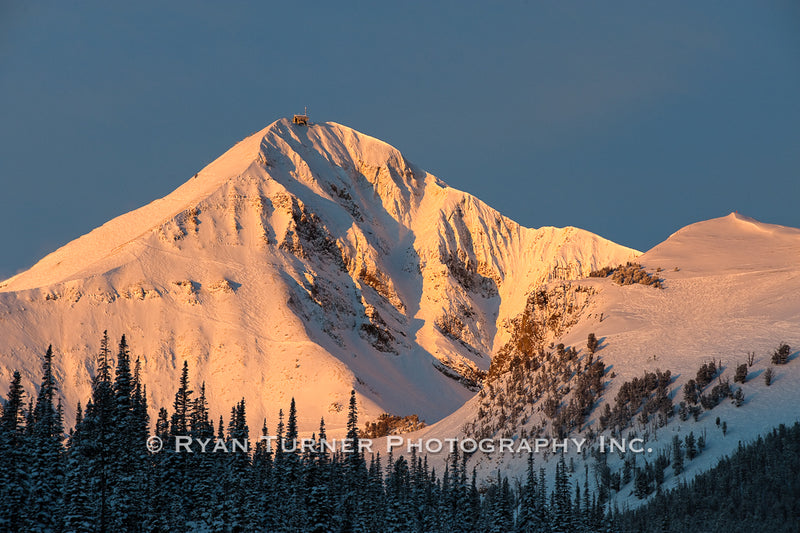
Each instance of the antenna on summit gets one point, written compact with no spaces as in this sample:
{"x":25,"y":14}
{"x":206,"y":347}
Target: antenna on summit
{"x":301,"y":120}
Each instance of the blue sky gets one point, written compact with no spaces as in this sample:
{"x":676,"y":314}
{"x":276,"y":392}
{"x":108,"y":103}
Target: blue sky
{"x":628,"y":119}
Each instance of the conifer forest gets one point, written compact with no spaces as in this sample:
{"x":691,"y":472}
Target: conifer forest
{"x":95,"y":474}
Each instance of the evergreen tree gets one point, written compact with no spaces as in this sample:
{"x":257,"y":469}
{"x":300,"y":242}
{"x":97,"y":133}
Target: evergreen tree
{"x":738,"y":397}
{"x":398,"y":516}
{"x":200,"y":426}
{"x":162,"y":424}
{"x":127,"y":446}
{"x":44,"y":506}
{"x":202,"y":469}
{"x":741,"y":373}
{"x":677,"y":455}
{"x":318,"y":486}
{"x":641,"y":486}
{"x":587,"y":521}
{"x":530,"y":518}
{"x":463,"y":517}
{"x":781,"y":354}
{"x":354,"y":515}
{"x":262,"y":483}
{"x":182,"y":405}
{"x":237,"y":467}
{"x":94,"y":446}
{"x":474,"y":503}
{"x":353,"y":458}
{"x":592,"y":343}
{"x":691,"y":447}
{"x":176,"y":467}
{"x":78,"y":508}
{"x":13,"y":470}
{"x":561,"y":508}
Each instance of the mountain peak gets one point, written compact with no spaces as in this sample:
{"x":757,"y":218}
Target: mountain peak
{"x":305,"y":261}
{"x":282,"y":151}
{"x":733,"y":242}
{"x":336,"y":140}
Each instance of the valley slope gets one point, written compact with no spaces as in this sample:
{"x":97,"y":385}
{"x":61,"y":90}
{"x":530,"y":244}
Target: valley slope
{"x":731,"y":286}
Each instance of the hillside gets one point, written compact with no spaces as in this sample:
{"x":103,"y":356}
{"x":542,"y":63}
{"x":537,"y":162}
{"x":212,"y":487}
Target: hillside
{"x":731,"y":286}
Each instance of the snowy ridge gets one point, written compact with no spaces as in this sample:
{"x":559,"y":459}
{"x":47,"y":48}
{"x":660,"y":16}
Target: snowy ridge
{"x":731,"y":286}
{"x":111,"y":238}
{"x":304,"y":262}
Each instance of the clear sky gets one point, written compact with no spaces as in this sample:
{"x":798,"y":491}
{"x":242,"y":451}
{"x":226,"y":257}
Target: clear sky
{"x":629,"y":119}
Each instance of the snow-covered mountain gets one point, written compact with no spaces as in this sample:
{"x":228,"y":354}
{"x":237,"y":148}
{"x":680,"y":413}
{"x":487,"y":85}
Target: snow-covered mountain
{"x":305,"y":261}
{"x":731,"y":287}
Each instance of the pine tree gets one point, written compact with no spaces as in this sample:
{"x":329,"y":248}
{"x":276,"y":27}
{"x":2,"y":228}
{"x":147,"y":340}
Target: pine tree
{"x":529,"y":515}
{"x":201,"y":466}
{"x":353,"y":458}
{"x":501,"y":510}
{"x":627,"y":471}
{"x":182,"y":405}
{"x":162,"y":424}
{"x":177,"y":466}
{"x":13,"y":471}
{"x":237,"y":467}
{"x":451,"y":490}
{"x":560,"y":510}
{"x":262,"y":483}
{"x":463,"y":517}
{"x":44,"y":505}
{"x":691,"y":448}
{"x":474,"y":503}
{"x":280,"y":483}
{"x":126,"y":502}
{"x":291,"y":468}
{"x":219,"y":497}
{"x":741,"y":373}
{"x":373,"y":497}
{"x":140,"y":416}
{"x":353,"y":515}
{"x":781,"y":354}
{"x":592,"y":343}
{"x":317,"y":482}
{"x":103,"y":364}
{"x":738,"y":397}
{"x":200,"y":426}
{"x":95,"y":446}
{"x":641,"y":486}
{"x":587,"y":503}
{"x":78,"y":505}
{"x":398,"y":512}
{"x":677,"y":455}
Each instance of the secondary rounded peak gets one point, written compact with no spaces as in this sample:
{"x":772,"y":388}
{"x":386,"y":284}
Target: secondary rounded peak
{"x":732,"y":225}
{"x":732,"y":242}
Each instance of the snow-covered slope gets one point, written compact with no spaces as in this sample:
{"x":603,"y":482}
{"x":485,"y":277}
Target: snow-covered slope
{"x":305,"y":261}
{"x":731,"y":286}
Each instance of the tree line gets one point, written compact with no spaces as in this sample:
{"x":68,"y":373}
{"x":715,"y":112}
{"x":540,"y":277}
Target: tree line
{"x":99,"y":476}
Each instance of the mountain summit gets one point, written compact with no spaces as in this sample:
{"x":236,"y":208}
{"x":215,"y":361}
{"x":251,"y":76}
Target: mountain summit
{"x":303,"y":262}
